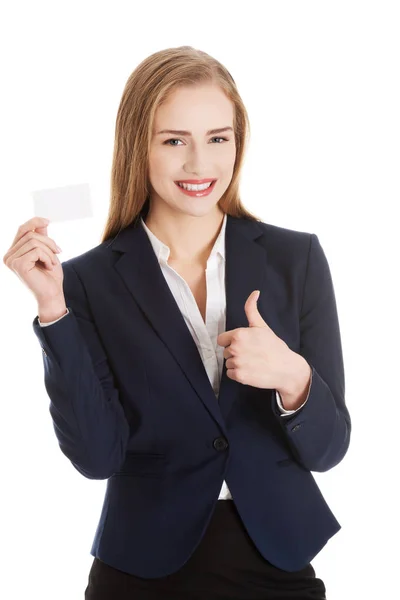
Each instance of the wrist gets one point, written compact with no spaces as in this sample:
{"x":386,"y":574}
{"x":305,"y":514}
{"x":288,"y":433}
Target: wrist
{"x":295,"y":390}
{"x":51,"y":310}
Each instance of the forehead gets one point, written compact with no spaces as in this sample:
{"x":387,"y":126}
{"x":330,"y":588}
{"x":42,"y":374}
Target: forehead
{"x":195,"y":108}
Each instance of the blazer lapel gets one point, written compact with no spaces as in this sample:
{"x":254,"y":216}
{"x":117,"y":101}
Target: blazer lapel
{"x":244,"y":272}
{"x":245,"y":268}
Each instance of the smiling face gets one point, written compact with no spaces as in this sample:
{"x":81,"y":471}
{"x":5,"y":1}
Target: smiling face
{"x":196,"y":153}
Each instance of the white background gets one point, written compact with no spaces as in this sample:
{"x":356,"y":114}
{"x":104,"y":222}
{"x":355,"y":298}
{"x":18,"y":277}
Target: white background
{"x":320,"y":81}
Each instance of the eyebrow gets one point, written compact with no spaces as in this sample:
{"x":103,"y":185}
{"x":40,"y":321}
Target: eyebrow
{"x":182,"y":132}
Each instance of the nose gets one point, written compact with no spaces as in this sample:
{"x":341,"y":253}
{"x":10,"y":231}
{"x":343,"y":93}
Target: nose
{"x":196,"y":163}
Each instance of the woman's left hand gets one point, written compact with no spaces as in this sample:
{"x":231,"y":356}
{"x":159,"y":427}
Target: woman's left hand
{"x":257,"y":357}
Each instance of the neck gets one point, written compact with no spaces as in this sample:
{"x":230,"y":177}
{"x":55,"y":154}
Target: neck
{"x":189,"y":238}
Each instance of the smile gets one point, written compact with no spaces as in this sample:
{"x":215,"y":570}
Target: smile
{"x":196,"y":190}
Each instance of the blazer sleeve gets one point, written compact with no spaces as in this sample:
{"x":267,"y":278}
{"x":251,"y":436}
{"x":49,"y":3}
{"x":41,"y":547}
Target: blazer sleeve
{"x":88,"y":417}
{"x":319,"y":432}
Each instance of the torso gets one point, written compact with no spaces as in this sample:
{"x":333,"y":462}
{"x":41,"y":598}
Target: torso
{"x":195,"y":277}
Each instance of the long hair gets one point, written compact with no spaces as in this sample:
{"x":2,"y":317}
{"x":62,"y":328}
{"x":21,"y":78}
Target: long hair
{"x":150,"y":84}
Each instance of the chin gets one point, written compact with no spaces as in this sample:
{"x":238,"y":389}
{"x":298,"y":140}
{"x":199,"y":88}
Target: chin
{"x":199,"y":207}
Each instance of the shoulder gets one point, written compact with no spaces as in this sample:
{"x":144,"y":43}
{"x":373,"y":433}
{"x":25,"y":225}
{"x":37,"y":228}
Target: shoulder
{"x":275,"y":238}
{"x":282,"y":234}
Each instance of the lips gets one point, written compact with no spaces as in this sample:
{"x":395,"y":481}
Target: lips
{"x":197,"y":193}
{"x":195,"y":181}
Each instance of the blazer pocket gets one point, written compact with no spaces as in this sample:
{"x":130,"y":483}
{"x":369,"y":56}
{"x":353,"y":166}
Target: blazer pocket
{"x":143,"y":464}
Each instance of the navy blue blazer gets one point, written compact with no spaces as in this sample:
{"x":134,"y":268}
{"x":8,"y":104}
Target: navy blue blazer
{"x":131,"y":401}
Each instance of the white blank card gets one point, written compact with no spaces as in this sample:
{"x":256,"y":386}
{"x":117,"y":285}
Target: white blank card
{"x":63,"y":203}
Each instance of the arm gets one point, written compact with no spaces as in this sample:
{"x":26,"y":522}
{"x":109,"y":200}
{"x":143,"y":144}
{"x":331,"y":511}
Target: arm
{"x":51,"y":322}
{"x":285,"y":412}
{"x":319,"y":431}
{"x":88,"y":418}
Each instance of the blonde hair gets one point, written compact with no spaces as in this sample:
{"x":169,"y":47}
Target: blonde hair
{"x":150,"y":84}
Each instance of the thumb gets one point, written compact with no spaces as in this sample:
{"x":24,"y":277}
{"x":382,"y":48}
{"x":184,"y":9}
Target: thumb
{"x":253,"y":316}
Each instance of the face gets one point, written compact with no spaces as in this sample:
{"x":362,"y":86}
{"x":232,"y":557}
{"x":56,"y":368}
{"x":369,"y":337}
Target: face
{"x":196,"y":154}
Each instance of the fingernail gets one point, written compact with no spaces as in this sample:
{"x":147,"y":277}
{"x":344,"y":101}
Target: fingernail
{"x":58,"y":248}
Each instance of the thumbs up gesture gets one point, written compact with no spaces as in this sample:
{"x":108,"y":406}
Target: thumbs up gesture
{"x":256,"y":356}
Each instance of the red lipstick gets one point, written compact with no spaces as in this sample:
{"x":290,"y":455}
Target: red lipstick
{"x":196,"y":181}
{"x":197,"y":193}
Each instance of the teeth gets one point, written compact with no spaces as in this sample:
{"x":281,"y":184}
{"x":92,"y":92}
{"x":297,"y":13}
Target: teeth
{"x":194,"y":188}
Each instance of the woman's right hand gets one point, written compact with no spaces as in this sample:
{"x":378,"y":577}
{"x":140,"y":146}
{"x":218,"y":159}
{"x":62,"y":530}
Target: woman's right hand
{"x":33,"y":257}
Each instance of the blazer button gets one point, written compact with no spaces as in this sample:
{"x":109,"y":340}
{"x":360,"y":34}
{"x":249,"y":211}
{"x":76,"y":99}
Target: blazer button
{"x":220,"y":444}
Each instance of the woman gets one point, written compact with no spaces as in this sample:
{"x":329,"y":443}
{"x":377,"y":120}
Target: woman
{"x":193,"y":359}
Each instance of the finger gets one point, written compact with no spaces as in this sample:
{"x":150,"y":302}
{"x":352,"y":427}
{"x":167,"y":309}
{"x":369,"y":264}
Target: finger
{"x":37,"y":255}
{"x":30,"y":235}
{"x":27,"y":248}
{"x":227,"y":353}
{"x":230,"y":363}
{"x":42,"y":238}
{"x":31,"y":225}
{"x":224,"y":338}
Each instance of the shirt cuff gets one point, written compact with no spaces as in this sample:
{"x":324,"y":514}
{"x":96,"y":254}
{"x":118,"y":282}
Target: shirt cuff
{"x":285,"y":412}
{"x":51,"y":322}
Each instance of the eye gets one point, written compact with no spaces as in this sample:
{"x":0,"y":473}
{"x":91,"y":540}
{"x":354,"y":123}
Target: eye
{"x":171,"y":140}
{"x":166,"y":143}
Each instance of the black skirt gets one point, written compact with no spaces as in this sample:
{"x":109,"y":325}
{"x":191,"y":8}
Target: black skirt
{"x":225,"y":565}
